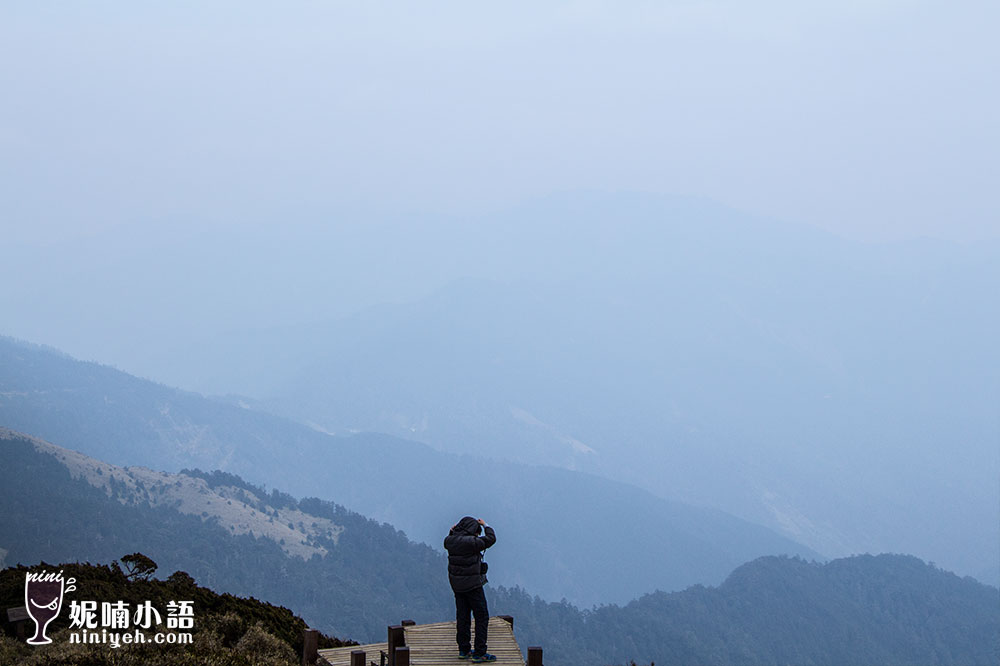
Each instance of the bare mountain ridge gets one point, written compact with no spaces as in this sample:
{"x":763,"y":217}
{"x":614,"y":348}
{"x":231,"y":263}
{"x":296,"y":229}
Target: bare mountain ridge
{"x":233,"y":507}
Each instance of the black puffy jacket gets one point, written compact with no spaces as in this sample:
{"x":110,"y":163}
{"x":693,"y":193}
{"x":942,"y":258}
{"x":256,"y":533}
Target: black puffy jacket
{"x":465,"y":554}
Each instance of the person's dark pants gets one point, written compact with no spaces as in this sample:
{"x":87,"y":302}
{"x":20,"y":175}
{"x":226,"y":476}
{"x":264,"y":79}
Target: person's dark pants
{"x":473,"y":601}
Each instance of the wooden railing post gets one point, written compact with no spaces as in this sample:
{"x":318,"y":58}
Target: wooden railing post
{"x":534,"y":656}
{"x":396,"y":639}
{"x":19,"y":618}
{"x":403,"y":656}
{"x":357,"y":658}
{"x":310,"y":646}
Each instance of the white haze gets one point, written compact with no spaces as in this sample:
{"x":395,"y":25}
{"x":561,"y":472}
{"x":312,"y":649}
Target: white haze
{"x":217,"y":196}
{"x":871,"y":118}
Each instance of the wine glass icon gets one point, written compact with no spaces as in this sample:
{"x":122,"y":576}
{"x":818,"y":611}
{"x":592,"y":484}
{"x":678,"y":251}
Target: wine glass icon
{"x":43,"y":599}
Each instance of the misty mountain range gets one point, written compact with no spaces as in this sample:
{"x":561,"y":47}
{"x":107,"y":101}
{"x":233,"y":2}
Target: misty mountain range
{"x":563,"y":531}
{"x":344,"y":573}
{"x":842,"y":394}
{"x":696,"y":303}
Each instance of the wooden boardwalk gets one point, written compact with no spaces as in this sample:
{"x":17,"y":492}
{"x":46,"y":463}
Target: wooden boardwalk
{"x":434,"y":645}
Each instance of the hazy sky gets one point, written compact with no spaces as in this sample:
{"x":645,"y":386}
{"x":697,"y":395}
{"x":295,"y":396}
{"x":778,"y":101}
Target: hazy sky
{"x":127,"y":128}
{"x":875,"y":118}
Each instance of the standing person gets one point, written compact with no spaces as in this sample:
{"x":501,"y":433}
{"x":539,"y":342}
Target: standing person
{"x":467,"y":575}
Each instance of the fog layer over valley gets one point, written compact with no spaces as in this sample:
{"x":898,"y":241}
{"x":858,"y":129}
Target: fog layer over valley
{"x":839,"y":392}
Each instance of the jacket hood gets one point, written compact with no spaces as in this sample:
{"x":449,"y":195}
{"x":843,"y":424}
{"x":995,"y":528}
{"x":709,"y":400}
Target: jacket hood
{"x":468,"y":525}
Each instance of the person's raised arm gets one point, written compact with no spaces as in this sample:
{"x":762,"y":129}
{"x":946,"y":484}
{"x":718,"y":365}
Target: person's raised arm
{"x":489,"y":536}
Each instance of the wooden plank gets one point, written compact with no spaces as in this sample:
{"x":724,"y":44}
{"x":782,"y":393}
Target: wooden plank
{"x":342,"y":656}
{"x":434,"y":645}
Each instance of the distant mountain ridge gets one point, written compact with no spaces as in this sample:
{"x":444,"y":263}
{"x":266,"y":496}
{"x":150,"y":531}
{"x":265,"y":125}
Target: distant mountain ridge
{"x":557,"y":544}
{"x":750,"y":396}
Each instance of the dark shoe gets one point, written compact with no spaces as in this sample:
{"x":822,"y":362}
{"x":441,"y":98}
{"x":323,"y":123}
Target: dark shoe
{"x":464,"y":655}
{"x":483,"y":658}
